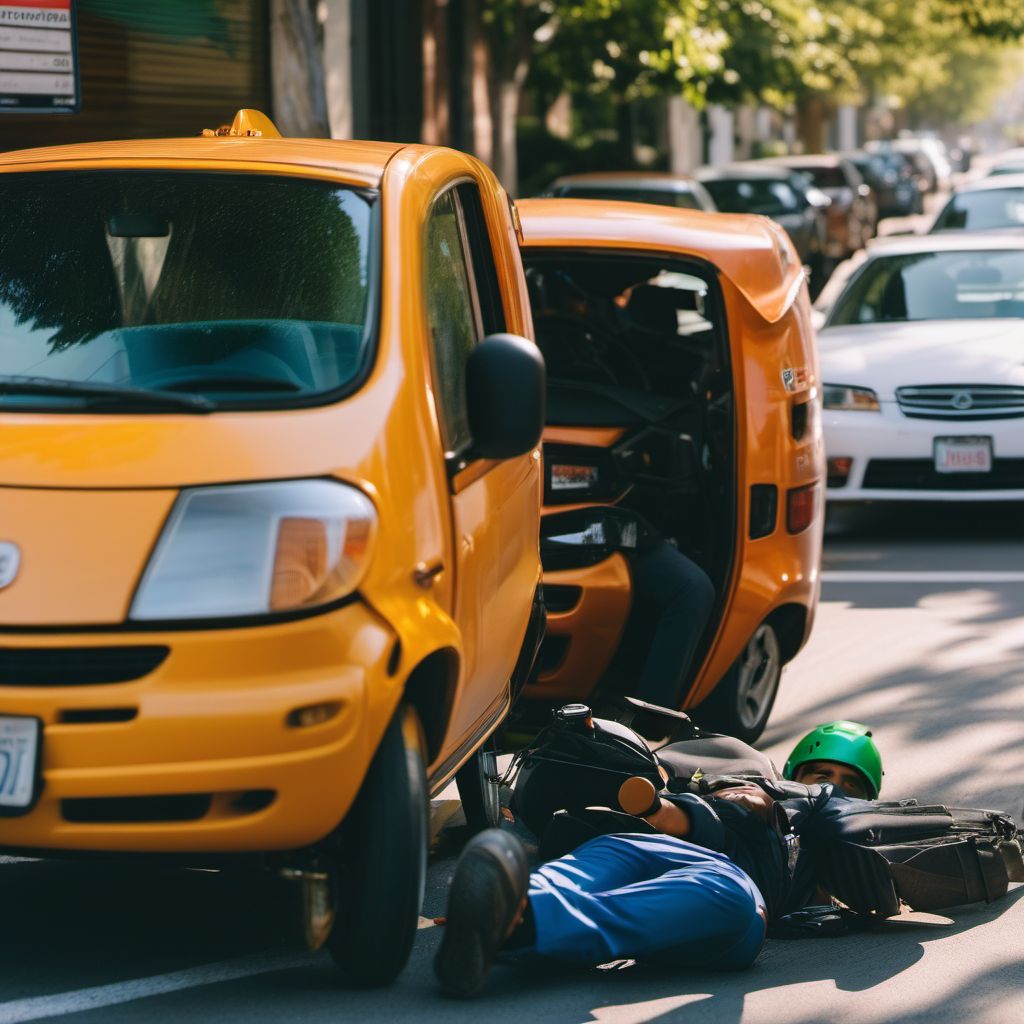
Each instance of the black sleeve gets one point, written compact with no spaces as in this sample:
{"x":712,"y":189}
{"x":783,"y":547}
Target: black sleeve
{"x":706,"y":828}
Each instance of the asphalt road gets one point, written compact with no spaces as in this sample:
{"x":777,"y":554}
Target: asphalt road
{"x":920,"y":633}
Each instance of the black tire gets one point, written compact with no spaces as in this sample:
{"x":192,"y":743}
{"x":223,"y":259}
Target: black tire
{"x":380,"y":867}
{"x":481,"y":798}
{"x":743,"y":699}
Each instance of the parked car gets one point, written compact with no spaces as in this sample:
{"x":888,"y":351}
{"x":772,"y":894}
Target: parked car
{"x":929,"y":159}
{"x":1010,"y":161}
{"x":983,"y":205}
{"x":682,"y":386}
{"x":891,"y":177}
{"x":678,"y":190}
{"x":269,"y":555}
{"x":852,"y":215}
{"x":923,"y":378}
{"x":785,"y":196}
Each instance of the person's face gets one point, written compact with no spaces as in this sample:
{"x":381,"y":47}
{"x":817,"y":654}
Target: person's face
{"x":848,"y":779}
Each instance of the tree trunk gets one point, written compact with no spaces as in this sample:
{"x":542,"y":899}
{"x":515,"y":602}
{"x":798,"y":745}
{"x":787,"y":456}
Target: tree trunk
{"x":481,"y":116}
{"x":506,"y":112}
{"x":300,"y":96}
{"x":812,"y":123}
{"x":436,"y":130}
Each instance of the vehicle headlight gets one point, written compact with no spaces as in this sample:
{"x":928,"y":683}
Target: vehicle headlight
{"x":839,"y":396}
{"x":255,"y":549}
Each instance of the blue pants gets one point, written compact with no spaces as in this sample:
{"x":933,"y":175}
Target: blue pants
{"x":646,"y":897}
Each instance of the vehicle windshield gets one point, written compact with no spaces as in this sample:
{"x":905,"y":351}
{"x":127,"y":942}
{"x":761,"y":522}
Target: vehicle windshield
{"x":768,"y":196}
{"x":978,"y":211}
{"x":826,"y":177}
{"x":246,"y":290}
{"x":970,"y":285}
{"x":682,"y":200}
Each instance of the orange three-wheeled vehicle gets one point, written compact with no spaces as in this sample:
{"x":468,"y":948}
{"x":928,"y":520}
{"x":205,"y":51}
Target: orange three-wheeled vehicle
{"x":682,"y":386}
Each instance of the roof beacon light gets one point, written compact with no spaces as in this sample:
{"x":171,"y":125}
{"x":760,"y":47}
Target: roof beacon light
{"x":250,"y":124}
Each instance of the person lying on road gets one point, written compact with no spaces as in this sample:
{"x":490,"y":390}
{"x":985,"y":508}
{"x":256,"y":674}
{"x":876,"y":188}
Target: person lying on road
{"x":685,"y":894}
{"x":695,"y":880}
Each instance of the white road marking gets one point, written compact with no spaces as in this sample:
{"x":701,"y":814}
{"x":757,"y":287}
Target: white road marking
{"x":915,"y":576}
{"x":37,"y":1007}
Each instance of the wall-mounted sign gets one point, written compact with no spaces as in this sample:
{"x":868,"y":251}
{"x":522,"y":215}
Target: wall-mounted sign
{"x":38,"y":58}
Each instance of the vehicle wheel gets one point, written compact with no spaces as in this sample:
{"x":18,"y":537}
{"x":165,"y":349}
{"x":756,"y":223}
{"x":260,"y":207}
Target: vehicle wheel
{"x":381,"y":861}
{"x":480,"y":796}
{"x":741,"y":703}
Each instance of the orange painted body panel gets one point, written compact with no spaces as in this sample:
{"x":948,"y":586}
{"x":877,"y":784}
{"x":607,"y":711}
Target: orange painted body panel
{"x":753,"y":252}
{"x":601,"y":437}
{"x":79,"y":552}
{"x":211,"y":718}
{"x":768,"y":316}
{"x":593,"y":627}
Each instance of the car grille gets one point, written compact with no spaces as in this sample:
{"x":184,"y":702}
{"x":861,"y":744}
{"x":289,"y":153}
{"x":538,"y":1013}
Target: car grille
{"x":961,"y":401}
{"x":920,"y":475}
{"x":77,"y":666}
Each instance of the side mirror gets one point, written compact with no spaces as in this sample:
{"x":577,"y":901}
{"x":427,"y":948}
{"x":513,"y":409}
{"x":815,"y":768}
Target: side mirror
{"x":505,"y":391}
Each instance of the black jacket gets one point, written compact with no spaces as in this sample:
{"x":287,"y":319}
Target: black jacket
{"x":781,"y":856}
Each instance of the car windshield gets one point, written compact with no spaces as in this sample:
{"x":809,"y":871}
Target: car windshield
{"x":239,"y":290}
{"x":968,"y":285}
{"x":768,"y":196}
{"x":683,"y":200}
{"x":995,"y":208}
{"x":826,"y":177}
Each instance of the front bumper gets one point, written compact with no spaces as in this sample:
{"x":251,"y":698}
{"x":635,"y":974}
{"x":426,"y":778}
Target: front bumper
{"x":198,"y":754}
{"x":893,"y":457}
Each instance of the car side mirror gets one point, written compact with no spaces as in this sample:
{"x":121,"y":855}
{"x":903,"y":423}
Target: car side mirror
{"x":505,"y":391}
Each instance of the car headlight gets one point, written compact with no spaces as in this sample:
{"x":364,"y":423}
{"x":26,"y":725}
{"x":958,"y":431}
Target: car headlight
{"x":839,"y":396}
{"x":254,"y":549}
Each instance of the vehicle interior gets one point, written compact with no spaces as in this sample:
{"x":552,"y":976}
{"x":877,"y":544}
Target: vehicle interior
{"x":638,"y":367}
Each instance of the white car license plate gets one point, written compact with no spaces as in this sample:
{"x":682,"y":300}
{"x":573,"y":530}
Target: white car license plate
{"x":963,"y":455}
{"x":19,"y":757}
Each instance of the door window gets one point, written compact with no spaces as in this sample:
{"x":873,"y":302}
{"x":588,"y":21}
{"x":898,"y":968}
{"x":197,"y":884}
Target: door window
{"x":463,"y":303}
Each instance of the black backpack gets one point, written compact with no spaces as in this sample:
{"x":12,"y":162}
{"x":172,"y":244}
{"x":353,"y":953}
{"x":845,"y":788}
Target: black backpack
{"x":927,"y":855}
{"x":577,"y":761}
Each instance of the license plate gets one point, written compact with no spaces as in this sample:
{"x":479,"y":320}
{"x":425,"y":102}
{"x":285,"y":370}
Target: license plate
{"x":963,"y":455}
{"x":19,"y":762}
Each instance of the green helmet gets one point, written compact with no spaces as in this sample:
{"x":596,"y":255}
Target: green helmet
{"x":849,"y":743}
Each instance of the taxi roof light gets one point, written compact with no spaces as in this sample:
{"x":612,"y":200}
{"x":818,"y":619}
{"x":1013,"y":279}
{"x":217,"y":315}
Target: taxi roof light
{"x":248,"y":123}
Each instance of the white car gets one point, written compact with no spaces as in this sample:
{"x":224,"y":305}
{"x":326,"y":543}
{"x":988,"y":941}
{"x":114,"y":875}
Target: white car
{"x":922,"y":359}
{"x":984,"y":205}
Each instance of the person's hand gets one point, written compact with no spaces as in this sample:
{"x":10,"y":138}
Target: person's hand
{"x":638,"y":796}
{"x":752,"y":798}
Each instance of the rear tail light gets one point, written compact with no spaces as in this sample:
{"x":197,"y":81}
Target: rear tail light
{"x":839,"y":471}
{"x":801,"y":507}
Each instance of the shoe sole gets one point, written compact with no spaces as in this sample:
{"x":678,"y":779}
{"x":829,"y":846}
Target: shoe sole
{"x":471,"y":941}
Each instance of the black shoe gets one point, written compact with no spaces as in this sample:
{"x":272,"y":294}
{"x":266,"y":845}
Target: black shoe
{"x":487,"y":899}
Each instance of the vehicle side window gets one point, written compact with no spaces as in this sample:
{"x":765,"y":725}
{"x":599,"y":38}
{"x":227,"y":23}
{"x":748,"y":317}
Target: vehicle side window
{"x":453,"y":316}
{"x":484,"y":272}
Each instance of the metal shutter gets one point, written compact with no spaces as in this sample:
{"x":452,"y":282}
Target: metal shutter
{"x":157,"y":69}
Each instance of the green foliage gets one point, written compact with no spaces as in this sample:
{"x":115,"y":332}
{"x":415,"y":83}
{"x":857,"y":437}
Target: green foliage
{"x":771,"y":51}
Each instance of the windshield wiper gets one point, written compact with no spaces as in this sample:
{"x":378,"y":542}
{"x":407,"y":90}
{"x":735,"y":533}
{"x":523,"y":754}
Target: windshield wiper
{"x":98,"y":395}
